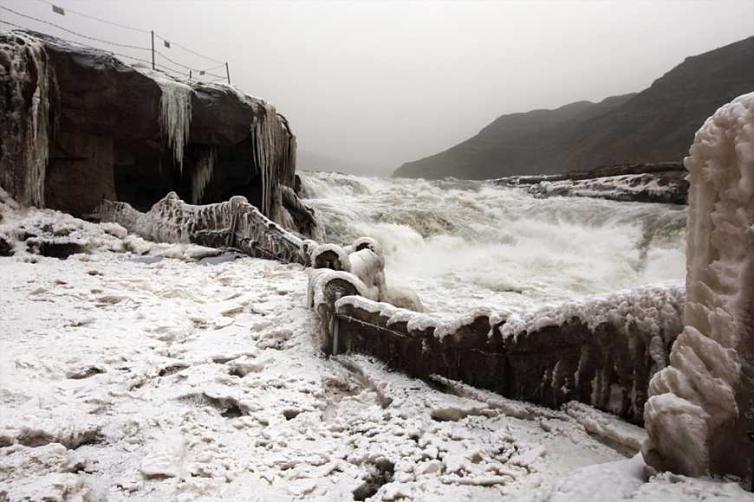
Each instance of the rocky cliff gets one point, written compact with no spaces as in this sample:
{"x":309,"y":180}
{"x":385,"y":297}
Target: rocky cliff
{"x":79,"y":126}
{"x":655,"y":125}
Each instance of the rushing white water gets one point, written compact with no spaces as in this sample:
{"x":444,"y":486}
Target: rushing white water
{"x":463,"y":244}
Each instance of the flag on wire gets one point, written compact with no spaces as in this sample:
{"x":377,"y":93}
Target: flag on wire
{"x":58,"y":10}
{"x":167,"y":44}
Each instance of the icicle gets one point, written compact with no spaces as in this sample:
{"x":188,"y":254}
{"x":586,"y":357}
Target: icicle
{"x":274,"y":153}
{"x":202,"y":174}
{"x":175,"y":115}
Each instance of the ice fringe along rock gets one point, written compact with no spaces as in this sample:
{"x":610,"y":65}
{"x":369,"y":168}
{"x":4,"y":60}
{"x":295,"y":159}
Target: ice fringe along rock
{"x":175,"y":114}
{"x":23,"y":162}
{"x":274,"y":151}
{"x":600,"y":351}
{"x":235,"y":224}
{"x":202,"y":174}
{"x":699,"y":416}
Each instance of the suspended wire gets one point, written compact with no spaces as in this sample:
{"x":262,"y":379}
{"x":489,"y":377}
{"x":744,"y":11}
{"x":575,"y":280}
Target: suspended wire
{"x":189,"y":50}
{"x":199,"y":72}
{"x":14,"y":25}
{"x":112,"y":53}
{"x":207,"y":70}
{"x":94,"y":18}
{"x":133,"y":28}
{"x":174,"y":62}
{"x":127,"y":46}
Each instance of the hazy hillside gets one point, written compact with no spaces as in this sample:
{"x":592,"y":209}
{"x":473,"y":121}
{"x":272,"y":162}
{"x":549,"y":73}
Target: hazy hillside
{"x":655,"y":125}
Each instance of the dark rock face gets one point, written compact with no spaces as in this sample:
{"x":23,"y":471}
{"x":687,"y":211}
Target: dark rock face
{"x":655,"y":125}
{"x":6,"y":248}
{"x":79,"y":126}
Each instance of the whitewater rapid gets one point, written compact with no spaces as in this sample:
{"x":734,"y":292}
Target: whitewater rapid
{"x":467,"y":244}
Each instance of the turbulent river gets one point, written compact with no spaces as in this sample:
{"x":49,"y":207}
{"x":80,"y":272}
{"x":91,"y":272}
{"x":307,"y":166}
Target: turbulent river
{"x":464,"y":244}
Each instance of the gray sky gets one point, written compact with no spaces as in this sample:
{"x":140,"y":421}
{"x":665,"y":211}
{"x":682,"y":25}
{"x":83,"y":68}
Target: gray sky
{"x":381,"y":83}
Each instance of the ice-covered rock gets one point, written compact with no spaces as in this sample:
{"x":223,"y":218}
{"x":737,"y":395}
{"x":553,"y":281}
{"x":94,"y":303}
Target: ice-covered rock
{"x":601,"y":351}
{"x":80,"y":126}
{"x":235,"y":224}
{"x":699,"y":414}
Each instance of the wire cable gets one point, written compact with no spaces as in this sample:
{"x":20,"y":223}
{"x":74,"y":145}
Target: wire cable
{"x":127,"y":46}
{"x":94,"y":18}
{"x":199,"y":72}
{"x":132,"y":28}
{"x":188,"y":50}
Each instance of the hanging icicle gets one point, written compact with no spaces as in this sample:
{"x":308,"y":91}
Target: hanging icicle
{"x":202,"y":174}
{"x":175,"y":115}
{"x":274,"y":153}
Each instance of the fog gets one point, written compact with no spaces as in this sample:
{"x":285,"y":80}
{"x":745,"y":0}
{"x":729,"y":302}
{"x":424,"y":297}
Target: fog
{"x":376,"y":84}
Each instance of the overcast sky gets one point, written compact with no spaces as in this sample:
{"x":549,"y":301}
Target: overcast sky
{"x":382,"y":83}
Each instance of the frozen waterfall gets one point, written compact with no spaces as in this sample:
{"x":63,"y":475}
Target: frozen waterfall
{"x":175,"y":115}
{"x":23,"y":163}
{"x":202,"y":174}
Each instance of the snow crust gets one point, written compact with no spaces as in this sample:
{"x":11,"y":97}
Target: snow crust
{"x":653,"y":309}
{"x":693,"y":401}
{"x":125,"y":379}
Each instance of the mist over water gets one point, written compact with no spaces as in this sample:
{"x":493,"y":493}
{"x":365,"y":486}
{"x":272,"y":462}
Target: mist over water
{"x":462,"y":244}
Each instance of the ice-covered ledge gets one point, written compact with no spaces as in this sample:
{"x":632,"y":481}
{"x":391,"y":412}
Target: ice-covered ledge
{"x":700,"y":416}
{"x":233,"y":224}
{"x":601,"y":351}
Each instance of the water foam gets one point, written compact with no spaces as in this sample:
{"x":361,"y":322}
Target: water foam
{"x":463,"y":244}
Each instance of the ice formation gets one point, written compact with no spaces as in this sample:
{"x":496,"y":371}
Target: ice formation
{"x":698,"y":416}
{"x":233,"y":224}
{"x":274,"y":151}
{"x":202,"y":174}
{"x":175,"y":114}
{"x":25,"y":154}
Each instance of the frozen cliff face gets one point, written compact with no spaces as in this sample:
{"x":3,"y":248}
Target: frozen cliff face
{"x":79,"y":126}
{"x":25,"y":86}
{"x":699,"y":416}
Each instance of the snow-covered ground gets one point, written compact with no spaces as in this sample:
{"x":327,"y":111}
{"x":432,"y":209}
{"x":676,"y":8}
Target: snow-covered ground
{"x":160,"y":372}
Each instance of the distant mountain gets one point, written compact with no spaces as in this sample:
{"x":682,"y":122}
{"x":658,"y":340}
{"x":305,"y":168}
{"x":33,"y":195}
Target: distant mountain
{"x":655,"y":125}
{"x":312,"y":161}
